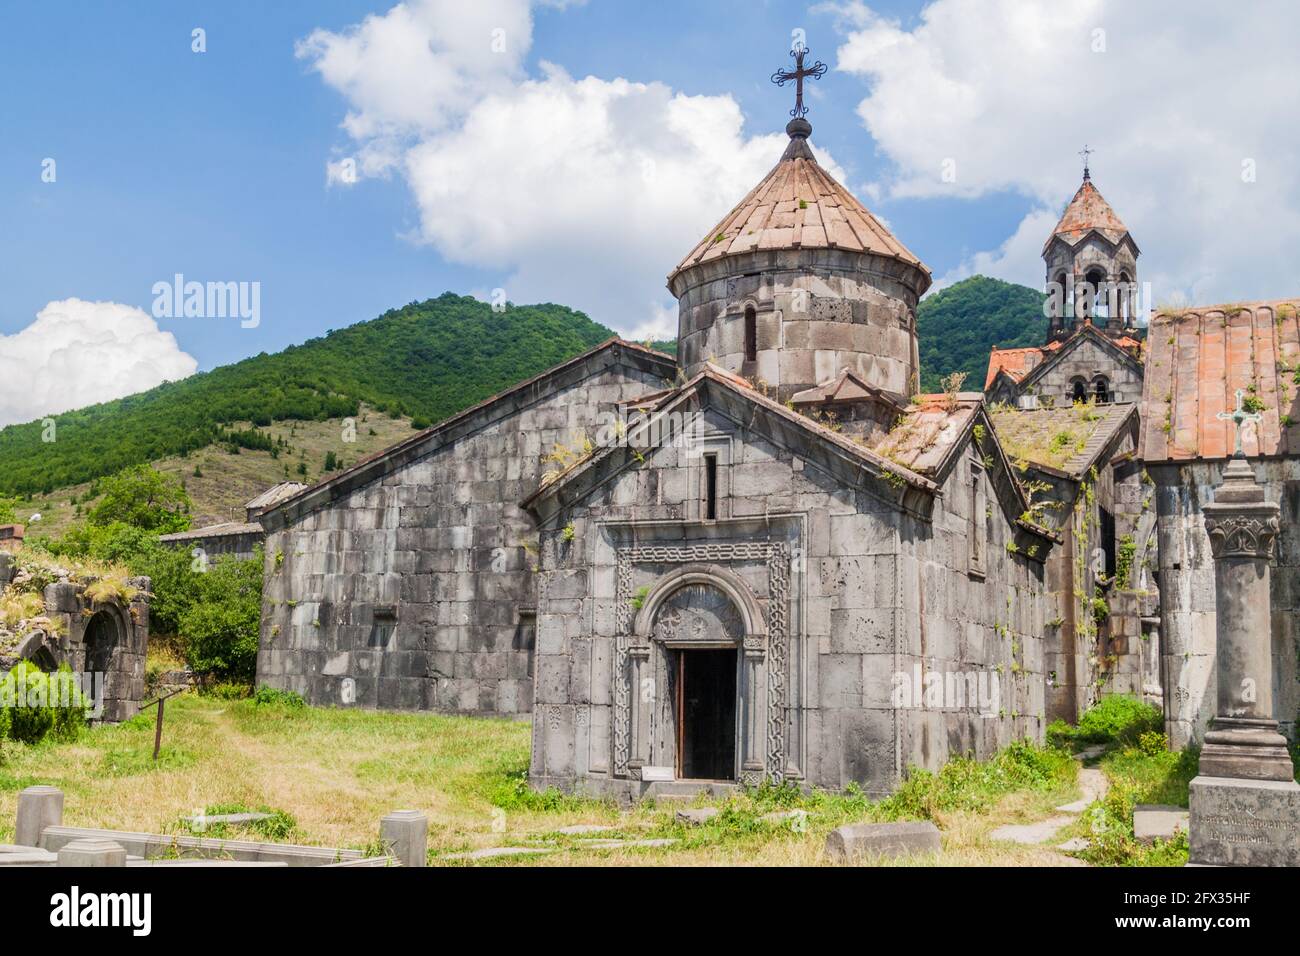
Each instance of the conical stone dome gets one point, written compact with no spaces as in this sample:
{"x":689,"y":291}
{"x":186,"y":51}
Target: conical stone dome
{"x":799,"y":282}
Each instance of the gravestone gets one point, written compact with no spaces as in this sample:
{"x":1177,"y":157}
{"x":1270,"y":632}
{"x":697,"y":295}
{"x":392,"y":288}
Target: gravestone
{"x":1245,"y":803}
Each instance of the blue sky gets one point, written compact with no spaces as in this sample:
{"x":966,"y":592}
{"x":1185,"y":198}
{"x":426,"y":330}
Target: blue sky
{"x":214,"y":164}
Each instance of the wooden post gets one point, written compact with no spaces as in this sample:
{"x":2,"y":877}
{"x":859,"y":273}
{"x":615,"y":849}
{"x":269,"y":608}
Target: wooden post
{"x":157,"y":733}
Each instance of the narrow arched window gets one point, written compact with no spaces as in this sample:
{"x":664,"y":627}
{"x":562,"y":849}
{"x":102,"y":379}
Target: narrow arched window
{"x":1079,"y":392}
{"x":1101,"y":388}
{"x":751,"y":334}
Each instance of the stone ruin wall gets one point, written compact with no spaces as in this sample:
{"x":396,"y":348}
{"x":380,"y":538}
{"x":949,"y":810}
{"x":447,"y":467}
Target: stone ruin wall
{"x":108,"y":638}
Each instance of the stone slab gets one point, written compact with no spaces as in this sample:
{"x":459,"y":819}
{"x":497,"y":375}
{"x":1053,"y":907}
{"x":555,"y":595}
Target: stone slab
{"x":794,"y":819}
{"x":581,"y":829}
{"x":1235,"y":822}
{"x":28,"y":857}
{"x":695,"y":816}
{"x":1157,"y":820}
{"x":494,"y":852}
{"x":857,"y":841}
{"x":1092,"y":785}
{"x":1074,"y":844}
{"x":226,"y":863}
{"x":231,"y":818}
{"x":624,"y":844}
{"x":150,"y":845}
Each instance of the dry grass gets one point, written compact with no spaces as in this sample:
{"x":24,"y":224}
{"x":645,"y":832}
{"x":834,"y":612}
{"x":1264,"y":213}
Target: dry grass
{"x":336,"y":772}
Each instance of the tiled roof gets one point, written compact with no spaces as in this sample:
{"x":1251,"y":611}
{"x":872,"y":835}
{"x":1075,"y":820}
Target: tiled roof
{"x":225,"y":529}
{"x":798,"y":205}
{"x":1197,"y":358}
{"x":1066,"y":439}
{"x":1086,"y":212}
{"x":275,"y":494}
{"x":930,"y":430}
{"x":1015,"y":362}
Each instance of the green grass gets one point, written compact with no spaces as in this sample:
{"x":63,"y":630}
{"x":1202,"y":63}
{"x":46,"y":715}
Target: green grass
{"x":329,"y":775}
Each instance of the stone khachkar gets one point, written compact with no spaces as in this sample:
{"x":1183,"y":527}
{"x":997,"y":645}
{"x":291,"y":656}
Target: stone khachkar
{"x":1245,"y":803}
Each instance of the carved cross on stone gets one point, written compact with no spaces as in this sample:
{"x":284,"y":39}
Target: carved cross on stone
{"x":1239,"y":418}
{"x":781,"y":77}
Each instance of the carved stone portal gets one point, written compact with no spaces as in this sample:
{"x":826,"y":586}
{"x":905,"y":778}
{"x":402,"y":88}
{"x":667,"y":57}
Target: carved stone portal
{"x":702,"y":604}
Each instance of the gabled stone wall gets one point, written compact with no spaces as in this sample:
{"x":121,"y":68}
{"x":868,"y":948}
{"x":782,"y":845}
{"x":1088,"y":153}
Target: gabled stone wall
{"x":855,"y":601}
{"x":1085,"y":359}
{"x":415,"y":589}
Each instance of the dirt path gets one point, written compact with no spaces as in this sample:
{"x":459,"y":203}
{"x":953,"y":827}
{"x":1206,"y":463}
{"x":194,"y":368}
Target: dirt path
{"x":1092,"y":785}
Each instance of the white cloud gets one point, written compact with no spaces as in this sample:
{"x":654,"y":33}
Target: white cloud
{"x":1174,"y":97}
{"x":78,"y":353}
{"x":584,"y":191}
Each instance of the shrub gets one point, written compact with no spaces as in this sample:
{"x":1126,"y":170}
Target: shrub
{"x":274,"y":697}
{"x":1118,"y":719}
{"x":228,"y":690}
{"x":220,"y":629}
{"x":967,"y":784}
{"x":39,"y":705}
{"x":1153,"y":743}
{"x":1059,"y":734}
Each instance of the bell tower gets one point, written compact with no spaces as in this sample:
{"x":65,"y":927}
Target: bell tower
{"x":1091,"y":262}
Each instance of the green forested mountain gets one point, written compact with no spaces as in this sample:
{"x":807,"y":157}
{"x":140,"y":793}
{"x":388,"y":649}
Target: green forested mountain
{"x":960,"y":324}
{"x":427,"y":360}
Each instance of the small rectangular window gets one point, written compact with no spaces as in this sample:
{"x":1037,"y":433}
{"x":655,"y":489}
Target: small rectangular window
{"x":525,"y":630}
{"x":710,"y":487}
{"x":976,"y":526}
{"x":751,"y":334}
{"x":385,"y":623}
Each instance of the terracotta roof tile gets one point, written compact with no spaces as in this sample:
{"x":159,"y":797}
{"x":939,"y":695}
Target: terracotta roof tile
{"x":1015,"y":362}
{"x":1198,"y":358}
{"x":1087,"y":212}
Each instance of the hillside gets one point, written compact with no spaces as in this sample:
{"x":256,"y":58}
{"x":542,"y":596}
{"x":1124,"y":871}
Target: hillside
{"x":220,"y":479}
{"x":245,"y":425}
{"x":426,"y":361}
{"x":957,"y":327}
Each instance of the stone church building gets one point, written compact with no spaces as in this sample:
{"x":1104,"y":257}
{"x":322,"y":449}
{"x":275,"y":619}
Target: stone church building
{"x":780,"y":564}
{"x":771,"y":558}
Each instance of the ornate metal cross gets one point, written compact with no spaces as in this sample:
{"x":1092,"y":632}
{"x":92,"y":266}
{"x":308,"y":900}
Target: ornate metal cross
{"x":1239,"y":418}
{"x":781,"y":77}
{"x":1085,"y":153}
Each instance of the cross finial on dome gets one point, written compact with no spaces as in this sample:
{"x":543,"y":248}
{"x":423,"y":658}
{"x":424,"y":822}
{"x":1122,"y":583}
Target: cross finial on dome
{"x":799,"y":126}
{"x":1085,"y":153}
